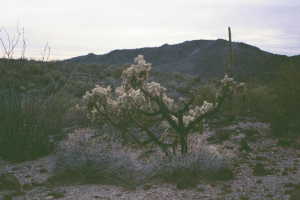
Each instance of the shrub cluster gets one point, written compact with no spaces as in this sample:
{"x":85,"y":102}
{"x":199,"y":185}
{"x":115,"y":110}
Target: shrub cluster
{"x":190,"y":169}
{"x":27,"y":124}
{"x":81,"y":158}
{"x":285,"y":120}
{"x":84,"y":158}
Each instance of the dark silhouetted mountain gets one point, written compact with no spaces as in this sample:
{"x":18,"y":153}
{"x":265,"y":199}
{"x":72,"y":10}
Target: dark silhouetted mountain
{"x":204,"y":58}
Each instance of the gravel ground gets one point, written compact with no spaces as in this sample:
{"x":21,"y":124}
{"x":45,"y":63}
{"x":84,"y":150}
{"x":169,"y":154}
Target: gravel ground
{"x":266,"y":172}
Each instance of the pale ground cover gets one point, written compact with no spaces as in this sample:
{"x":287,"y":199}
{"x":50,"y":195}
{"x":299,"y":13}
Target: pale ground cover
{"x":268,"y":172}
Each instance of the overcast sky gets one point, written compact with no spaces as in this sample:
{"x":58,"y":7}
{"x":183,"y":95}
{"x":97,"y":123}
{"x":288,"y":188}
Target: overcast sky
{"x":77,"y":27}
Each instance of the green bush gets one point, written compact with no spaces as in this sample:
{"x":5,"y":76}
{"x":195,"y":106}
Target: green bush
{"x":27,"y":124}
{"x":259,"y":102}
{"x":285,"y":120}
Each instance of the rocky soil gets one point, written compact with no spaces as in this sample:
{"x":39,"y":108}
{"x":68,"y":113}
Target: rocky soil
{"x":263,"y":170}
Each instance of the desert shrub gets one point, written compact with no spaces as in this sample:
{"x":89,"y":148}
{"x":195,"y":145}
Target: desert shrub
{"x":294,"y":192}
{"x":24,"y":76}
{"x":206,"y":92}
{"x":256,"y":101}
{"x":260,"y":170}
{"x":220,"y":136}
{"x":27,"y":122}
{"x":285,"y":120}
{"x":78,"y":87}
{"x":54,"y":109}
{"x":82,"y":159}
{"x":260,"y":102}
{"x":76,"y":118}
{"x":190,"y":169}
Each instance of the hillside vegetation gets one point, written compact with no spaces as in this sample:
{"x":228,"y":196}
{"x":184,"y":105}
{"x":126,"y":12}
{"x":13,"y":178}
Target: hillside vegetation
{"x":206,"y":58}
{"x":111,"y":120}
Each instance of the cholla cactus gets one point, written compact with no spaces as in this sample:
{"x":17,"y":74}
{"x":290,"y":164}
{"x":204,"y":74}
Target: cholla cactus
{"x":227,"y":80}
{"x":135,"y":75}
{"x":145,"y":106}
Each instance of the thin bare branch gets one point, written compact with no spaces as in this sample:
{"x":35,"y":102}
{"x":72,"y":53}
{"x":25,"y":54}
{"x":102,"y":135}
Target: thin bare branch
{"x":9,"y":43}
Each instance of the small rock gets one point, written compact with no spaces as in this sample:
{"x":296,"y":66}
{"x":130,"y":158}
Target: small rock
{"x":56,"y":194}
{"x":43,"y":170}
{"x":238,"y":138}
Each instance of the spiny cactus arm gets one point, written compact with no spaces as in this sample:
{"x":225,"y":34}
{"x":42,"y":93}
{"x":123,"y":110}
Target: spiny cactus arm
{"x":148,"y":113}
{"x":152,"y":137}
{"x":105,"y":115}
{"x":119,"y":127}
{"x":167,"y":114}
{"x":162,"y":108}
{"x":186,"y":106}
{"x":208,"y":114}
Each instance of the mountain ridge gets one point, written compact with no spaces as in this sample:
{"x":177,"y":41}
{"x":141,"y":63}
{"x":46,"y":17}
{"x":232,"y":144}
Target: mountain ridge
{"x":205,"y":58}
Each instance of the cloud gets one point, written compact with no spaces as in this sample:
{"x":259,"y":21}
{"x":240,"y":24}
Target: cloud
{"x":74,"y":28}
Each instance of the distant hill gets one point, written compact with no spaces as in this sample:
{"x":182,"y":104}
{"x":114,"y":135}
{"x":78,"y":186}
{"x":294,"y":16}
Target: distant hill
{"x":204,"y":58}
{"x":295,"y":60}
